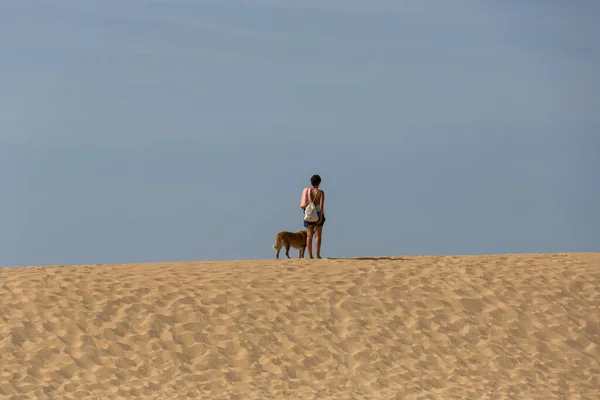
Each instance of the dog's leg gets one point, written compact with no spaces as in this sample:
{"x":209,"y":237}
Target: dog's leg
{"x":301,"y":252}
{"x":278,"y":248}
{"x":287,"y":251}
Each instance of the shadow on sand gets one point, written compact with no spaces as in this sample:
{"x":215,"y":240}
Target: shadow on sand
{"x":368,"y":258}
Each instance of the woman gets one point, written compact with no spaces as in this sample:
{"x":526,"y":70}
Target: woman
{"x":314,"y":228}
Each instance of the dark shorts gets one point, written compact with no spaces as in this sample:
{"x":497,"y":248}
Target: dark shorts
{"x":307,"y":224}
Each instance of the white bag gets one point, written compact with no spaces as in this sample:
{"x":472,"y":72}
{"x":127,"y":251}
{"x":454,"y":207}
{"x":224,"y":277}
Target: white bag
{"x":310,"y":212}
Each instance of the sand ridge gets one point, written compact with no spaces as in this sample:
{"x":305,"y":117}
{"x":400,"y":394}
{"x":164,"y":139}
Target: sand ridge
{"x":449,"y":327}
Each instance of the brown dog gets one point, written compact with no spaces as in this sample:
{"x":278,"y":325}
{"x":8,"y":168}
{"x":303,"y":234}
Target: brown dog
{"x":286,"y":239}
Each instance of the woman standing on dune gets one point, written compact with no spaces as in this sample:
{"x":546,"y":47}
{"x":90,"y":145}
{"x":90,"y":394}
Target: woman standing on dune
{"x":317,"y":197}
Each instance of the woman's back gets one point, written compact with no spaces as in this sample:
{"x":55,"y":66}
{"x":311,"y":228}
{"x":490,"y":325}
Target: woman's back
{"x":313,"y":194}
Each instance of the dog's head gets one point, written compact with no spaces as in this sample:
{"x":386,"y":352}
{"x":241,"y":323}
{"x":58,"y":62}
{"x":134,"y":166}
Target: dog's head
{"x":302,"y":233}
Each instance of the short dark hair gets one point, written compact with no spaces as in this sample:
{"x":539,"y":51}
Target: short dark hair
{"x":315,"y":180}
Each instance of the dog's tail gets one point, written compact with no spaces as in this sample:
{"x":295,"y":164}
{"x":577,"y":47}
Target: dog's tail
{"x":277,"y":243}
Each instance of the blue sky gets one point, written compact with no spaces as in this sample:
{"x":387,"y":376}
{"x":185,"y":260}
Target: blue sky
{"x":137,"y":131}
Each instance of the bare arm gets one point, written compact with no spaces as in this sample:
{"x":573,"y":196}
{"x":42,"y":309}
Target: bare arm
{"x":303,"y":200}
{"x":322,"y":203}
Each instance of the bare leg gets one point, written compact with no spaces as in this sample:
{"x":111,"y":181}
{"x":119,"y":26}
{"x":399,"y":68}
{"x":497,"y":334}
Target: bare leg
{"x":318,"y":237}
{"x":309,"y":238}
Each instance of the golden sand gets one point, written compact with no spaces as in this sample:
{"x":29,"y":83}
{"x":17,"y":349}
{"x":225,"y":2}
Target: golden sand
{"x":470,"y":327}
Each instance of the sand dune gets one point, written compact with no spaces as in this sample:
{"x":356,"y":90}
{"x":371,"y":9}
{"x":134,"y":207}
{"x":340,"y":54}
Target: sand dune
{"x":470,"y":327}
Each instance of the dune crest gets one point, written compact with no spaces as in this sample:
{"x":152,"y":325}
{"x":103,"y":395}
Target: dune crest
{"x":497,"y":326}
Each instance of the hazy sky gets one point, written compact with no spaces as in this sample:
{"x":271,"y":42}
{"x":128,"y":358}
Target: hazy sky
{"x":185,"y":130}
